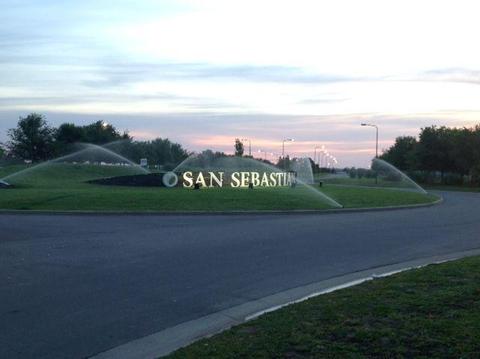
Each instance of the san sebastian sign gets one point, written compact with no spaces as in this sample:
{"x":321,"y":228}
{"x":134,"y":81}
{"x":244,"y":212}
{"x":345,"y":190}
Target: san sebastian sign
{"x":237,"y":179}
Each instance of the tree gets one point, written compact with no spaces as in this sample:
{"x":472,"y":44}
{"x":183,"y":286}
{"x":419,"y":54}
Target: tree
{"x":462,"y":150}
{"x":453,"y":152}
{"x":434,"y":150}
{"x":238,"y":147}
{"x":158,"y":151}
{"x":32,"y":139}
{"x":101,"y":132}
{"x":402,"y":153}
{"x":68,"y":133}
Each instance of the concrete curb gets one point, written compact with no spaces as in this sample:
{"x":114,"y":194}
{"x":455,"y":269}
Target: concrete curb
{"x":166,"y":341}
{"x":221,"y":213}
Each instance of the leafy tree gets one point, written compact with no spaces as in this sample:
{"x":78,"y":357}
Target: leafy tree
{"x":238,"y":147}
{"x":453,"y":152}
{"x":160,"y":151}
{"x":463,"y":150}
{"x":402,"y":153}
{"x":68,"y":133}
{"x":32,"y":139}
{"x":101,"y":132}
{"x":434,"y":150}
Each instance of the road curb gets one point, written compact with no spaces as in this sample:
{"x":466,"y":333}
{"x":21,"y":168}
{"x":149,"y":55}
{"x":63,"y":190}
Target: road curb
{"x":166,"y":341}
{"x":220,"y":213}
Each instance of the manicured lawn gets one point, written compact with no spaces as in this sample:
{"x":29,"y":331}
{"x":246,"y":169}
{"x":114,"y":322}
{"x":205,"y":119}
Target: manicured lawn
{"x":63,"y":187}
{"x":433,"y":312}
{"x":367,"y":182}
{"x":452,"y":188}
{"x":370,"y":182}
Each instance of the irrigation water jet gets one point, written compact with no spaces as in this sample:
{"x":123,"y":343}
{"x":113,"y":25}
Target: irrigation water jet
{"x":388,"y":172}
{"x":88,"y":153}
{"x":207,"y":161}
{"x":4,"y":184}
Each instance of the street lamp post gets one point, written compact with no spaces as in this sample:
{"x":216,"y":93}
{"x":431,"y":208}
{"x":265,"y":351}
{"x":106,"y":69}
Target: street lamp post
{"x":264,"y":154}
{"x":321,"y":155}
{"x":283,"y":145}
{"x":249,"y":146}
{"x":315,"y":155}
{"x":376,"y":145}
{"x":283,"y":150}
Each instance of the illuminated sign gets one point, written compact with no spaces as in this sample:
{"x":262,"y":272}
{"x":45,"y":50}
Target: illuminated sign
{"x":230,"y":179}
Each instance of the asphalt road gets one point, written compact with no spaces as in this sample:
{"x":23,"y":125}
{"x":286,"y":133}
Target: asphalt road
{"x":75,"y":285}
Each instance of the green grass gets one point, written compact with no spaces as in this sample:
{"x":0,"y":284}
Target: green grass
{"x":370,"y":182}
{"x":433,"y":312}
{"x":367,"y":182}
{"x":440,"y":187}
{"x":64,"y":187}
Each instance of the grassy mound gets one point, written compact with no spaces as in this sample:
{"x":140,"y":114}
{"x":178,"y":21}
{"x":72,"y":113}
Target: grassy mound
{"x":65,"y":187}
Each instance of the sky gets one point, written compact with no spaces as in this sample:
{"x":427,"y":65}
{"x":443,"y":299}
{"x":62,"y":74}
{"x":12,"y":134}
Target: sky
{"x":205,"y":72}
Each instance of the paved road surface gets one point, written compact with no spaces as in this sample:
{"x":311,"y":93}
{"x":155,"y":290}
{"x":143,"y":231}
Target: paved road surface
{"x":73,"y":286}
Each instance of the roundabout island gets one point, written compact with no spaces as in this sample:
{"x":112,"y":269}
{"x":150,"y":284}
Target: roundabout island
{"x":94,"y":179}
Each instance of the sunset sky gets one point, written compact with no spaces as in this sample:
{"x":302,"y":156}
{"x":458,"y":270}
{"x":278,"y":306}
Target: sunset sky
{"x":204,"y":72}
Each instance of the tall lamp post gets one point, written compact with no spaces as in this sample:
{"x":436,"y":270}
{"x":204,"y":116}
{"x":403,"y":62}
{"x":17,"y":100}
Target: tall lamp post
{"x":326,"y":156}
{"x":376,"y":145}
{"x":315,"y":154}
{"x":264,"y":154}
{"x":283,"y":145}
{"x":283,"y":151}
{"x":249,"y":146}
{"x":376,"y":141}
{"x":321,"y":155}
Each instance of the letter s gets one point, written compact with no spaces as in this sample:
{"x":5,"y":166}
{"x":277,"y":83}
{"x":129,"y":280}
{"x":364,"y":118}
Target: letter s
{"x":188,"y":179}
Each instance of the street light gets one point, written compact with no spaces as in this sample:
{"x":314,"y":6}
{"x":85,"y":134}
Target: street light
{"x":249,"y":146}
{"x":376,"y":146}
{"x":283,"y":145}
{"x":283,"y":151}
{"x":315,"y":153}
{"x":264,"y":154}
{"x":326,"y":156}
{"x":376,"y":143}
{"x":321,"y":155}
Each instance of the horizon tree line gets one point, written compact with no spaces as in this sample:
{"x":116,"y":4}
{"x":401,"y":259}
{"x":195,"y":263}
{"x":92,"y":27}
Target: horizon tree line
{"x":439,"y":154}
{"x":35,"y":140}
